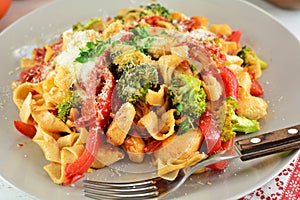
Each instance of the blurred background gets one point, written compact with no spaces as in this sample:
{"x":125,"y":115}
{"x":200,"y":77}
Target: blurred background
{"x":11,"y":10}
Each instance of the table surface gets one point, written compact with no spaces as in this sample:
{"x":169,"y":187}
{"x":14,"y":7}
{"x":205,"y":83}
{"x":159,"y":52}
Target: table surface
{"x":289,"y":18}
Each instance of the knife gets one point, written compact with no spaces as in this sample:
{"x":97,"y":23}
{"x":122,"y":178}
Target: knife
{"x":255,"y":147}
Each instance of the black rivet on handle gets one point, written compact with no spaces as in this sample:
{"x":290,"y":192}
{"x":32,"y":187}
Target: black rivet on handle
{"x":293,"y":131}
{"x":255,"y":140}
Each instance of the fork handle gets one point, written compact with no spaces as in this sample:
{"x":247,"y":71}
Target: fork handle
{"x":269,"y":143}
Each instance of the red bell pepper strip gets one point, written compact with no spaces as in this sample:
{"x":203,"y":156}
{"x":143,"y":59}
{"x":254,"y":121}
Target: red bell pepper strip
{"x":33,"y":74}
{"x":231,"y":86}
{"x":225,"y":145}
{"x":154,"y":20}
{"x":228,"y":144}
{"x":235,"y":36}
{"x":74,"y":171}
{"x":213,"y":139}
{"x":219,"y":165}
{"x":256,"y":89}
{"x":24,"y":128}
{"x":190,"y":24}
{"x":97,"y":105}
{"x":211,"y":132}
{"x":230,"y":82}
{"x":104,"y":98}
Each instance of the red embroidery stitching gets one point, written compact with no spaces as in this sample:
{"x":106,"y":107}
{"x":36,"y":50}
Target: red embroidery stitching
{"x":286,"y":186}
{"x":292,"y":191}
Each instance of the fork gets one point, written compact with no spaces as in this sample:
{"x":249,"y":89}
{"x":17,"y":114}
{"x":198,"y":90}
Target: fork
{"x":156,"y":188}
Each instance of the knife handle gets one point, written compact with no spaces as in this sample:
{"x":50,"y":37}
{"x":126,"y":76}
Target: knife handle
{"x":269,"y":143}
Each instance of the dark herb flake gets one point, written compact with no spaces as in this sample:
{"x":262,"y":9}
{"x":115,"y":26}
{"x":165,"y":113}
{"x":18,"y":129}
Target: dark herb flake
{"x":163,"y":32}
{"x":92,"y":50}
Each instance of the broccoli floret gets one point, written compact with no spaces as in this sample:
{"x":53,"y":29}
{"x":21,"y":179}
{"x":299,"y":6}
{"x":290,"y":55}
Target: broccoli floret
{"x":72,"y":100}
{"x":141,"y":40}
{"x":157,"y":10}
{"x":92,"y":50}
{"x":188,"y":97}
{"x":140,"y":32}
{"x":134,"y":83}
{"x":95,"y":24}
{"x":234,"y":123}
{"x":250,"y":58}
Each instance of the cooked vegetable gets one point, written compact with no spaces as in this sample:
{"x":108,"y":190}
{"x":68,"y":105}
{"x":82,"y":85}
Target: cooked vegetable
{"x":235,"y":36}
{"x":95,"y":24}
{"x":72,"y":100}
{"x":230,"y":82}
{"x":124,"y":60}
{"x":92,"y":50}
{"x":250,"y":58}
{"x":212,"y":134}
{"x":210,"y":130}
{"x":26,"y":129}
{"x":134,"y":83}
{"x":140,"y":32}
{"x":256,"y":89}
{"x":75,"y":170}
{"x":188,"y":97}
{"x":234,"y":123}
{"x":142,"y":39}
{"x":157,"y":10}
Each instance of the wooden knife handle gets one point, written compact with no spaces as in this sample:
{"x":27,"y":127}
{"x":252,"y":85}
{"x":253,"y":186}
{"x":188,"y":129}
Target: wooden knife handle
{"x":269,"y":143}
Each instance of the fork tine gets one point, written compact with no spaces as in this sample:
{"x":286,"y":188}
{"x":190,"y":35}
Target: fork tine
{"x":142,"y":183}
{"x":98,"y":195}
{"x":132,"y":190}
{"x":113,"y":190}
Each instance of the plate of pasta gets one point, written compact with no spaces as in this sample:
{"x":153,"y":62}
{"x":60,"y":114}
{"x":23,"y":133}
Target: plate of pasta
{"x":134,"y":89}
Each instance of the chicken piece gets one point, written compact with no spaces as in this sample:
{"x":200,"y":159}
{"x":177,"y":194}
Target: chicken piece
{"x":252,"y":107}
{"x":221,"y":29}
{"x":134,"y":145}
{"x":178,"y":16}
{"x":118,"y":129}
{"x":249,"y":106}
{"x":107,"y":155}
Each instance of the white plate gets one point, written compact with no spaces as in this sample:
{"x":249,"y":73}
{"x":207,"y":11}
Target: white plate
{"x":22,"y":167}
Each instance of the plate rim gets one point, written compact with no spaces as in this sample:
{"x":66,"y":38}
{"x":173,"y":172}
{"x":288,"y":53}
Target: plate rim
{"x":7,"y":29}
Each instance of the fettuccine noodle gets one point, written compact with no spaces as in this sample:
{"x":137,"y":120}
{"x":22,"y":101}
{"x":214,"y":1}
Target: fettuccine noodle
{"x":60,"y":86}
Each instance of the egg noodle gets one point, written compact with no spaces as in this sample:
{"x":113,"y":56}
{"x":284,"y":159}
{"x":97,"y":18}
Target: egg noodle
{"x":148,"y":82}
